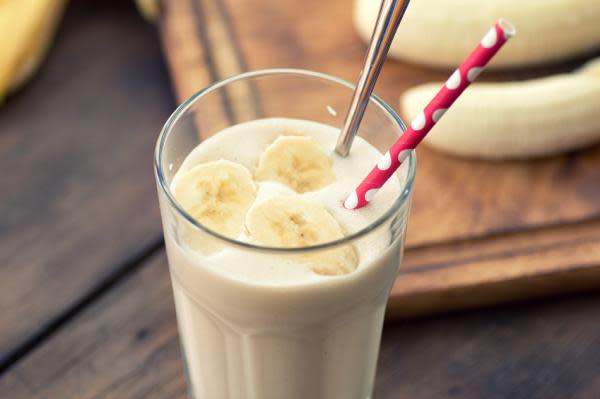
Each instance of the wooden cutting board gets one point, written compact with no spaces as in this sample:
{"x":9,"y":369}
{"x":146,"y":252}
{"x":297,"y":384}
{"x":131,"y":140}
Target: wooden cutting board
{"x":480,"y":232}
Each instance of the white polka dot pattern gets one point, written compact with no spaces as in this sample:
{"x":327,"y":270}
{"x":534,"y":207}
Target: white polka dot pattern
{"x":468,"y":71}
{"x":473,"y":73}
{"x":454,"y":80}
{"x":369,"y":195}
{"x":490,"y":39}
{"x":402,"y":155}
{"x":419,"y":122}
{"x":352,"y":201}
{"x":385,"y":162}
{"x":437,"y":114}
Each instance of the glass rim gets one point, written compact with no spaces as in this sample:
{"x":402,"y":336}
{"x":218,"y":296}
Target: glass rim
{"x":183,"y":107}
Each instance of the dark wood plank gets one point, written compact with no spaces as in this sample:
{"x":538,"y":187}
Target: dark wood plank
{"x":530,"y":351}
{"x":184,"y":33}
{"x":76,"y":145}
{"x":497,"y":269}
{"x":125,"y":346}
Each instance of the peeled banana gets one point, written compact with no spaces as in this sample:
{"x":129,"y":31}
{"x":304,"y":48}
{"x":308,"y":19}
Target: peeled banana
{"x":296,"y":222}
{"x":217,"y":194}
{"x":441,"y":33}
{"x":150,"y":9}
{"x":29,"y":27}
{"x":296,"y":161}
{"x":518,"y":119}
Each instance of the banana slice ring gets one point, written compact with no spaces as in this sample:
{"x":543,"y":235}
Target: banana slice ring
{"x":217,"y":194}
{"x":296,"y":161}
{"x":292,"y":222}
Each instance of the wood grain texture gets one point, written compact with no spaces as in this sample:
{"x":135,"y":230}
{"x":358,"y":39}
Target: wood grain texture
{"x":479,"y":232}
{"x":505,"y":268}
{"x":183,"y":32}
{"x":78,"y":199}
{"x":525,"y":352}
{"x":125,"y":346}
{"x":201,"y":51}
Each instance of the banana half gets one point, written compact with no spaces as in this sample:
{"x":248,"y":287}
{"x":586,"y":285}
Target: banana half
{"x":518,"y":119}
{"x":29,"y":26}
{"x":150,"y":9}
{"x":441,"y":33}
{"x":293,"y":222}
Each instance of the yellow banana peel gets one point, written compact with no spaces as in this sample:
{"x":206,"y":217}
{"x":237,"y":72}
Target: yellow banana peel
{"x":149,"y":9}
{"x":29,"y":26}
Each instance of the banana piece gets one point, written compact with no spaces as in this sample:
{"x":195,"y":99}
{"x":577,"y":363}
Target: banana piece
{"x":217,"y":194}
{"x":518,"y":119}
{"x":150,"y":9}
{"x":292,"y":222}
{"x":29,"y":26}
{"x":441,"y":33}
{"x":296,"y":161}
{"x":591,"y":68}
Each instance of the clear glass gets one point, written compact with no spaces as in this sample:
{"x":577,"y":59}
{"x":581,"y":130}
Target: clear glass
{"x":308,"y":340}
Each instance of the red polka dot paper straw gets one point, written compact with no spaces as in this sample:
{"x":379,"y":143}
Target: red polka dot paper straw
{"x":426,"y":120}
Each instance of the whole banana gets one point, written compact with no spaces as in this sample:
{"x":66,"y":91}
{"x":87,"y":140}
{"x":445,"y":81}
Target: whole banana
{"x":150,"y":9}
{"x":29,"y":27}
{"x":440,"y":33}
{"x":518,"y":119}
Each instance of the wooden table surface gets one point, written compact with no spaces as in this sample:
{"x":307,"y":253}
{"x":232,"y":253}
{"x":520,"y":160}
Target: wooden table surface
{"x":85,"y":299}
{"x":480,"y":232}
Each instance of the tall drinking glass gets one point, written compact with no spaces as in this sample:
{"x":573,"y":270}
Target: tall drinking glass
{"x":240,"y":339}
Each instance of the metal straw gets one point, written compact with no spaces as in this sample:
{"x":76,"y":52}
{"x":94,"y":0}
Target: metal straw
{"x":390,"y":15}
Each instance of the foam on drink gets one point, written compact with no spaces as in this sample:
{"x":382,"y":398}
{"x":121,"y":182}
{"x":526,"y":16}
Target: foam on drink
{"x":244,"y":144}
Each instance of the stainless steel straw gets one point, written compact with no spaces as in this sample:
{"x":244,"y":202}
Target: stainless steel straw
{"x":390,"y":15}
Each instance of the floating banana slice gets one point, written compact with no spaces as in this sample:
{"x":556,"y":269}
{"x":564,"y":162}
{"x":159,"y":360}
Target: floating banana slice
{"x":296,"y":222}
{"x":217,"y":194}
{"x":517,"y":119}
{"x":441,"y":33}
{"x":296,"y":161}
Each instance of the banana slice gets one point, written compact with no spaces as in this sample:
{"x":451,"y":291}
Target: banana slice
{"x":296,"y":161}
{"x":292,"y":222}
{"x":217,"y":194}
{"x":523,"y":119}
{"x":440,"y":33}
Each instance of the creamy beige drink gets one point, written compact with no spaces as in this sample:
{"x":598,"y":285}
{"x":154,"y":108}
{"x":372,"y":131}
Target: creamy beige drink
{"x":300,"y":322}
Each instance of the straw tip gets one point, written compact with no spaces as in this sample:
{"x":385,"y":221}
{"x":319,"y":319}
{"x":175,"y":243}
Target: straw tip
{"x":507,"y":27}
{"x":351,"y":202}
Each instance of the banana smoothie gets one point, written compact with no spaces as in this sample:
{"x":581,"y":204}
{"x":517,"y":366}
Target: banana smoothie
{"x":280,"y":292}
